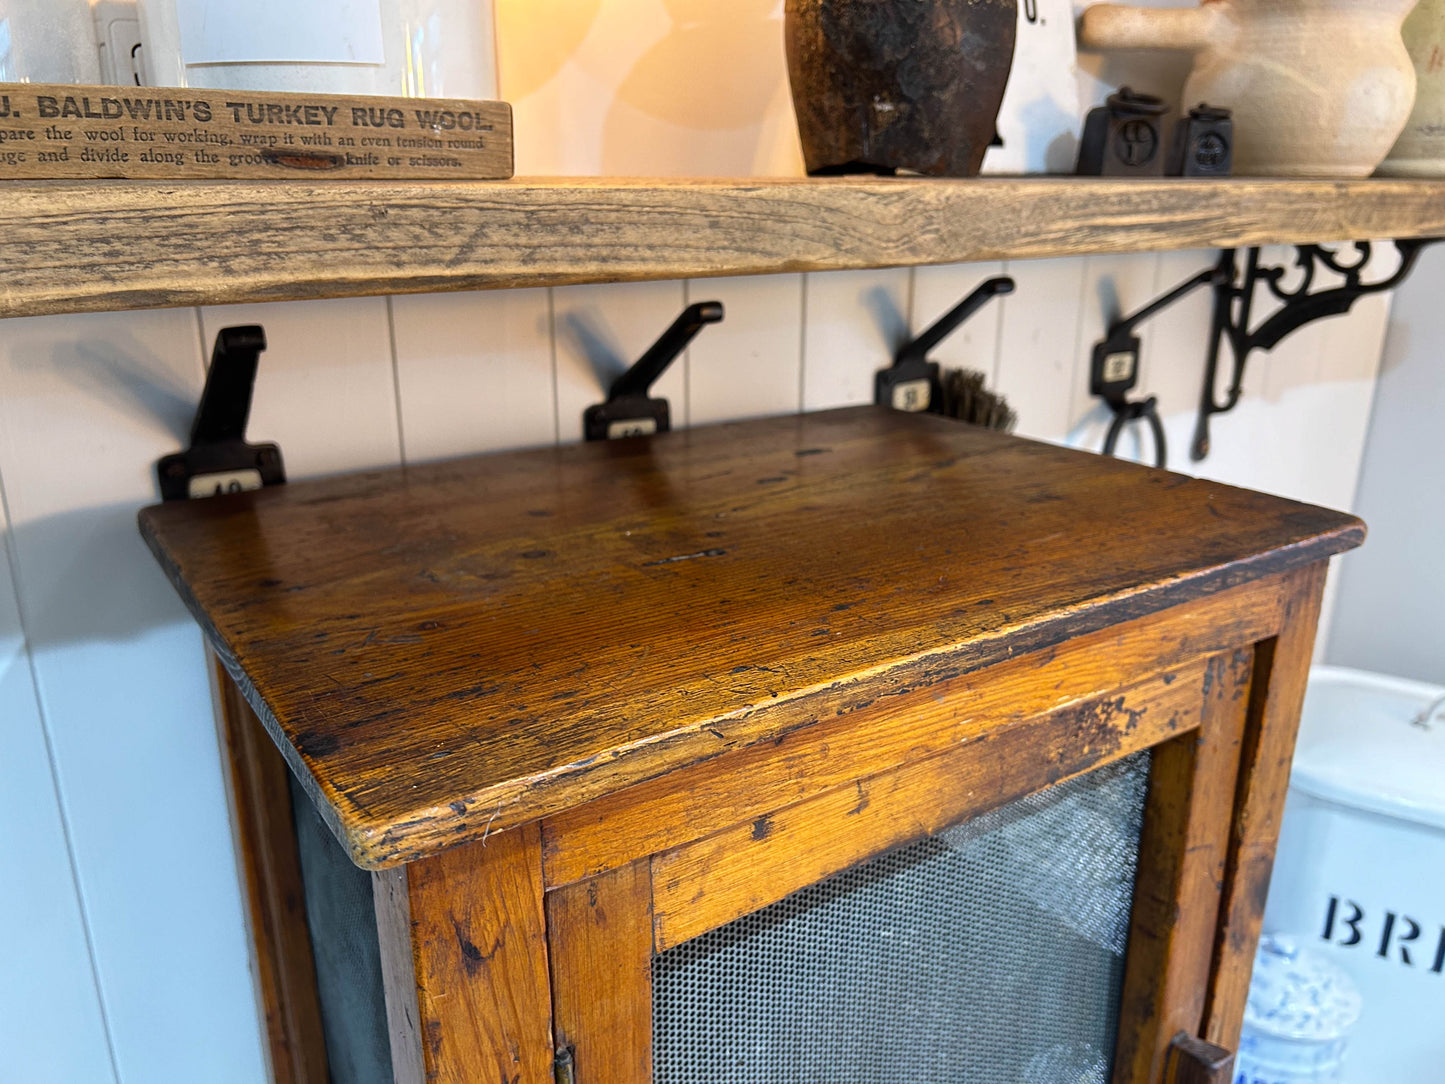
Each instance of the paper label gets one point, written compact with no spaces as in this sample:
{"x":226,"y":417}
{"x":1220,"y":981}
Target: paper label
{"x":912,"y":396}
{"x":632,"y":427}
{"x":1118,"y":367}
{"x":280,"y":32}
{"x":215,"y":485}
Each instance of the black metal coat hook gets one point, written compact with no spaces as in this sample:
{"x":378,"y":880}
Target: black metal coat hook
{"x":628,"y":412}
{"x":1114,"y":371}
{"x":1234,"y":304}
{"x":912,"y":382}
{"x":219,"y":460}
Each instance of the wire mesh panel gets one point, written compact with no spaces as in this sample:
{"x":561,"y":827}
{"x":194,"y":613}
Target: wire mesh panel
{"x":991,"y":953}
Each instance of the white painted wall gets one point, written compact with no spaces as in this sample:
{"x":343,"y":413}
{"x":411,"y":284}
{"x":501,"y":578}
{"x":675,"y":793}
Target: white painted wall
{"x":1392,"y":592}
{"x":133,"y":963}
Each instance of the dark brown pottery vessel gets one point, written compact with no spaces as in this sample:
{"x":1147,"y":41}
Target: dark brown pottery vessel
{"x":884,"y":85}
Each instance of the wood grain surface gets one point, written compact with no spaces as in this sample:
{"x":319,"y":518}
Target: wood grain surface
{"x":600,"y":936}
{"x":271,"y":879}
{"x":474,"y":922}
{"x":1182,"y":853}
{"x":86,"y":246}
{"x":1281,"y":667}
{"x":704,"y":885}
{"x":704,"y":798}
{"x":447,"y":651}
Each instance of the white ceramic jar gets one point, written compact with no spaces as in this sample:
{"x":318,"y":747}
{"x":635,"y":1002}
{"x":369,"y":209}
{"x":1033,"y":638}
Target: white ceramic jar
{"x":415,"y":48}
{"x":1039,"y":119}
{"x":1360,"y":871}
{"x":47,"y":41}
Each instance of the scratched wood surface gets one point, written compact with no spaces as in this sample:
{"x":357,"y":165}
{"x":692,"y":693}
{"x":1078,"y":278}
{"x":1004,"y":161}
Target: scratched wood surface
{"x":84,"y":246}
{"x":703,"y":885}
{"x":1281,"y":669}
{"x":451,"y":650}
{"x":476,"y":1002}
{"x":704,"y":798}
{"x":601,"y":948}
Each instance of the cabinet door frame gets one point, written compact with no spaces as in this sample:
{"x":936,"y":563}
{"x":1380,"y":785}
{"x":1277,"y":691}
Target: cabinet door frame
{"x":1217,"y":690}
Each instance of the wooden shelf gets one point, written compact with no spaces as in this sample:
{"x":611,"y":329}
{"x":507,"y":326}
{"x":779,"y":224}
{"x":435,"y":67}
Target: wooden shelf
{"x":89,"y":246}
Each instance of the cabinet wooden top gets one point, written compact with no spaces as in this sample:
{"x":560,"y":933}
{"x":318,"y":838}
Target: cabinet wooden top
{"x":448,"y":650}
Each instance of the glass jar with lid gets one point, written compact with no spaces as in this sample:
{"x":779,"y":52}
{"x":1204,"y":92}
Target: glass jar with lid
{"x":415,"y":48}
{"x":48,"y":41}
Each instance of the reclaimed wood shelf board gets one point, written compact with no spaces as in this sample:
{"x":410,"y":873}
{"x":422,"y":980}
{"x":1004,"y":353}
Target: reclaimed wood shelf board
{"x":102,"y":245}
{"x":452,"y":650}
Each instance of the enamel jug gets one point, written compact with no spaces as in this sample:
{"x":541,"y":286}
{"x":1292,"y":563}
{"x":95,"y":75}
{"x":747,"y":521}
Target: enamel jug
{"x":1318,"y":88}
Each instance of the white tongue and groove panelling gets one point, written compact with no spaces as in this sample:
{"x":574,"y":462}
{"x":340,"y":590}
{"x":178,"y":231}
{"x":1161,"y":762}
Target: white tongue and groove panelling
{"x":474,"y":372}
{"x":751,"y":364}
{"x":87,"y":404}
{"x":142,"y":961}
{"x":59,"y":1035}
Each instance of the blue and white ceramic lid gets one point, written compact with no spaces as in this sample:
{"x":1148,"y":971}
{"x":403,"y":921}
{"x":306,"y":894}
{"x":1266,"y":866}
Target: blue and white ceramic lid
{"x":1298,"y":994}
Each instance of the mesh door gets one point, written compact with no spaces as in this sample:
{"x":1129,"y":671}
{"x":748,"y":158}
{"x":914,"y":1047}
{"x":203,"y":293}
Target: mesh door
{"x":991,"y":953}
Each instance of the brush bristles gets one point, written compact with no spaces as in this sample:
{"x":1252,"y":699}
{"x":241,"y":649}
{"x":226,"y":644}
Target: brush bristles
{"x":965,"y":398}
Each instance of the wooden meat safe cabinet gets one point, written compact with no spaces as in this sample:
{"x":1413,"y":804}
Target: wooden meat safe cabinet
{"x":849,"y":747}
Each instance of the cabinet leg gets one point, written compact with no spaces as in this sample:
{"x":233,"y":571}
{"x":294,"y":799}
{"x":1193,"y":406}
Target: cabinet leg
{"x":271,"y":877}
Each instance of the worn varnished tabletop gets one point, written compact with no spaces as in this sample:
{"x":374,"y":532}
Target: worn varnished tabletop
{"x":447,"y":650}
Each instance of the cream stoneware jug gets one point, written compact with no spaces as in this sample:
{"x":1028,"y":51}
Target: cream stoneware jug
{"x":1319,"y":88}
{"x":1421,"y":149}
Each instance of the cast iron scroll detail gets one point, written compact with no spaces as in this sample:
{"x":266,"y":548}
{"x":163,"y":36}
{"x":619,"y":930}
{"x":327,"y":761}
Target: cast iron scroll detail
{"x":1300,"y":305}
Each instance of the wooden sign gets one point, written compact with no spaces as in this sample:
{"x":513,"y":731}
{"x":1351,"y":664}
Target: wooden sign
{"x":174,"y":133}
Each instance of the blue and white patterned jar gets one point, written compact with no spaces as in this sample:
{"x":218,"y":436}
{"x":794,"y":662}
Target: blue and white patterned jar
{"x":1298,"y":1018}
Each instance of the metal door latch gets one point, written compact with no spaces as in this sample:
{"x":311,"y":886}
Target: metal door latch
{"x":219,"y":460}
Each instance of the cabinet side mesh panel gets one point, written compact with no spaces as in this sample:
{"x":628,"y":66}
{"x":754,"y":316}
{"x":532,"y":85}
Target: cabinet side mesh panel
{"x":990,"y":953}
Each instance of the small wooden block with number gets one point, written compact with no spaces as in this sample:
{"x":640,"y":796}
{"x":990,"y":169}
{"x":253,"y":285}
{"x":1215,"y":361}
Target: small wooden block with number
{"x":175,"y":133}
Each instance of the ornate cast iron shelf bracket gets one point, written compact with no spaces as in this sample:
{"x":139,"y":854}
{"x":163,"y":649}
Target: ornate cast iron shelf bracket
{"x":219,"y":460}
{"x":1301,"y":305}
{"x":628,"y":411}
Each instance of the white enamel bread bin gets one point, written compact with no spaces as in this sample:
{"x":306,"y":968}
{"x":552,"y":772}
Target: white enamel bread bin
{"x":1360,"y":871}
